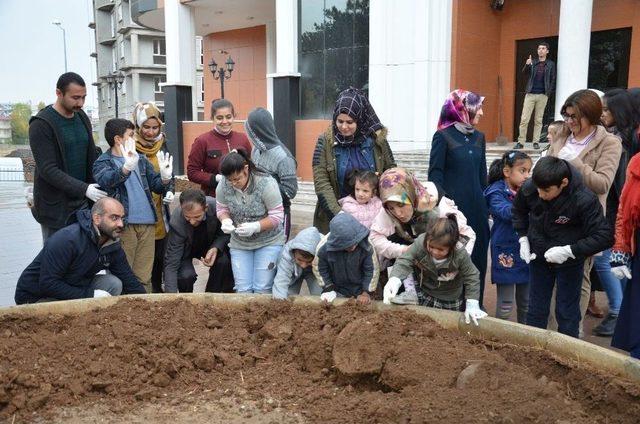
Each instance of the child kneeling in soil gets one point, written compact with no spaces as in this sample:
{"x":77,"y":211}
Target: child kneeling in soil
{"x":295,"y":265}
{"x":346,"y":263}
{"x":441,"y":271}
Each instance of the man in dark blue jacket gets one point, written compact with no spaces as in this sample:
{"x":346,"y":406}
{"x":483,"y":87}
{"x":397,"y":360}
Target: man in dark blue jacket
{"x":72,"y":262}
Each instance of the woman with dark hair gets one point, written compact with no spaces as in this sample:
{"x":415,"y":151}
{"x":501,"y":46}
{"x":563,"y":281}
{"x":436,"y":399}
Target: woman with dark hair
{"x":208,"y":149}
{"x":355,"y":140}
{"x":249,"y":205}
{"x":618,"y":117}
{"x":593,"y":152}
{"x":458,"y":167}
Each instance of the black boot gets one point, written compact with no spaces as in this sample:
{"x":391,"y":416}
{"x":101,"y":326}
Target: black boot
{"x":518,"y":145}
{"x":606,"y":327}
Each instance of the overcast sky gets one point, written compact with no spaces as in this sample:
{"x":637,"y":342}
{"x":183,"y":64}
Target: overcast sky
{"x":32,"y":54}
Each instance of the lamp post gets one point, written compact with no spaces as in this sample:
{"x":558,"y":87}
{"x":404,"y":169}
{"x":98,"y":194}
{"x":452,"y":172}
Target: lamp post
{"x":64,"y":41}
{"x":115,"y":79}
{"x":221,"y":73}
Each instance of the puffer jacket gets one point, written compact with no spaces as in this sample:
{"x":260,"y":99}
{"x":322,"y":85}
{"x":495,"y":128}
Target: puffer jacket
{"x":325,"y":174}
{"x":289,"y":272}
{"x":364,"y":214}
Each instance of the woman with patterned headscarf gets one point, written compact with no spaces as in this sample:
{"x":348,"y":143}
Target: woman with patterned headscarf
{"x":149,"y":141}
{"x":355,"y":140}
{"x":458,"y":166}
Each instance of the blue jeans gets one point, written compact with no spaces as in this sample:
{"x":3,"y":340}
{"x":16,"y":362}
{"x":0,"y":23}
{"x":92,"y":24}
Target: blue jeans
{"x":612,"y":286}
{"x":254,"y":270}
{"x":107,"y":282}
{"x":543,"y":277}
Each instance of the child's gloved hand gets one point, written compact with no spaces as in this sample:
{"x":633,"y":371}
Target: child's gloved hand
{"x":329,"y":296}
{"x":391,"y":289}
{"x":473,"y":312}
{"x":558,"y":254}
{"x":525,"y":250}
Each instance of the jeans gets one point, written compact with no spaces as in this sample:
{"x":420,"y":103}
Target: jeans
{"x":107,"y":282}
{"x":612,"y":286}
{"x":312,"y":285}
{"x":568,"y":278}
{"x":254,"y":270}
{"x":506,"y":295}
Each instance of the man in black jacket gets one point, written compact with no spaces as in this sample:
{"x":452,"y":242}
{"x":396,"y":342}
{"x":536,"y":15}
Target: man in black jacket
{"x":195,"y":233}
{"x":560,"y":223}
{"x":541,"y":84}
{"x":64,"y":151}
{"x":72,"y":262}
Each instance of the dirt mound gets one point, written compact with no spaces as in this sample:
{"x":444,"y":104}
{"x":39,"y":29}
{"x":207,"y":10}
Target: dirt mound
{"x":173,"y":361}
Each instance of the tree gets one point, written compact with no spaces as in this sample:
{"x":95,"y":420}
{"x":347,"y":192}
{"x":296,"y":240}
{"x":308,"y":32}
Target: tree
{"x":41,"y":105}
{"x":20,"y":123}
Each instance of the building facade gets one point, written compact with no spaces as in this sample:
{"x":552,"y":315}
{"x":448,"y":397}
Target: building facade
{"x":137,"y":52}
{"x":295,"y":56}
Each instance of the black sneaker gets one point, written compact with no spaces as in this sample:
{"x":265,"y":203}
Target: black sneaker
{"x":606,"y":327}
{"x":536,"y":145}
{"x":518,"y":146}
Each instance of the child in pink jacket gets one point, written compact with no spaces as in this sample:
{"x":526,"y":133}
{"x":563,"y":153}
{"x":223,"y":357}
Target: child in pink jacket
{"x":363,"y":203}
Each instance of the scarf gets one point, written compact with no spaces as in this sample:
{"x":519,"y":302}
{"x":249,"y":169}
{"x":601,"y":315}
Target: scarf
{"x":459,"y":109}
{"x":354,"y":103}
{"x":629,"y":208}
{"x":141,"y":114}
{"x":401,"y":186}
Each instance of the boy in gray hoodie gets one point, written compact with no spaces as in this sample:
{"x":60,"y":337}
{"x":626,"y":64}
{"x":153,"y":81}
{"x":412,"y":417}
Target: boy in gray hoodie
{"x":347,"y":265}
{"x":295,"y":265}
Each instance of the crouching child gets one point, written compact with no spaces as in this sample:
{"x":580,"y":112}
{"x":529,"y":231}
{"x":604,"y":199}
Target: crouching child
{"x":440,"y":270}
{"x":295,"y":265}
{"x":346,"y":263}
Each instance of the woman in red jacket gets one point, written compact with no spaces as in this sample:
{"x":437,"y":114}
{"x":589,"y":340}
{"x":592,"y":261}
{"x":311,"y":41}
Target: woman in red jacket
{"x":210,"y":148}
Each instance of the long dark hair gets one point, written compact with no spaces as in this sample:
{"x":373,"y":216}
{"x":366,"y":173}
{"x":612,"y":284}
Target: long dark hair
{"x":235,"y":161}
{"x":509,"y":159}
{"x":620,"y":105}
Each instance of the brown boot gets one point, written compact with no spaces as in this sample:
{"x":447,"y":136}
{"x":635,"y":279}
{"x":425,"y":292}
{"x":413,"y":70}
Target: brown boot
{"x":593,"y":309}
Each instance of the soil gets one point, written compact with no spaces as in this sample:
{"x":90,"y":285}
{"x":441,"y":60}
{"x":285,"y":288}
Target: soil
{"x":277,"y":362}
{"x":183,"y":184}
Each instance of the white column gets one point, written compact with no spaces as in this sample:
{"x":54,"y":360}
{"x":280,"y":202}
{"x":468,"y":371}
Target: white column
{"x":135,"y":50}
{"x":271,"y":61}
{"x":574,"y":38}
{"x":287,"y":37}
{"x":180,"y":39}
{"x":409,"y":67}
{"x":135,"y":87}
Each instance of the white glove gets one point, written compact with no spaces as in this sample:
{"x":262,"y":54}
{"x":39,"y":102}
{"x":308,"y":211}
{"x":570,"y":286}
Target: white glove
{"x":558,"y":254}
{"x":567,"y":154}
{"x":525,"y":250}
{"x":473,"y":312}
{"x":101,"y":293}
{"x":247,"y":229}
{"x":621,"y":272}
{"x":218,"y":177}
{"x":128,"y":150}
{"x":329,"y":296}
{"x":93,"y":193}
{"x":165,"y":162}
{"x":28,"y":195}
{"x":168,"y":198}
{"x":391,"y":289}
{"x":227,"y":226}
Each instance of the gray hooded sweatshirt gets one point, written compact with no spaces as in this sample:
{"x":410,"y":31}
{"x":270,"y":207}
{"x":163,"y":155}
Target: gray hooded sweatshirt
{"x":269,"y":154}
{"x":290,"y":275}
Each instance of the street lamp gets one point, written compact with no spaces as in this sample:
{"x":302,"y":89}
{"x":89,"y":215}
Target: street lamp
{"x":64,"y":41}
{"x":221,"y":73}
{"x":115,"y":79}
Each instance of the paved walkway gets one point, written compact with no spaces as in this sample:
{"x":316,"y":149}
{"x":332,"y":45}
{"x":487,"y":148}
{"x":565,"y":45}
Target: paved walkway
{"x":21,"y":239}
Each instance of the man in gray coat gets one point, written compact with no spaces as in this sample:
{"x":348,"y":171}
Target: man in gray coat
{"x":195,"y":232}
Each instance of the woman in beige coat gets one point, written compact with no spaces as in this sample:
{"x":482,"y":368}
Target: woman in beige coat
{"x":591,"y":150}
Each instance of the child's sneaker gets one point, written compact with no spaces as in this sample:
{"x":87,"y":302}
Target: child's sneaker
{"x":405,"y":298}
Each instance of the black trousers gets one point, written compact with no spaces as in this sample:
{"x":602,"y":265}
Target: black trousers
{"x":158,"y":265}
{"x":220,"y":274}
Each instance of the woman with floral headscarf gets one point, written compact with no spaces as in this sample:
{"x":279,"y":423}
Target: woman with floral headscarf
{"x":355,"y":140}
{"x":149,"y":141}
{"x":407,"y":208}
{"x":458,"y":166}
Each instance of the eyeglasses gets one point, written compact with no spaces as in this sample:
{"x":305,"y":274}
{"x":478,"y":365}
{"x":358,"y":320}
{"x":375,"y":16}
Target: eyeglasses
{"x":567,"y":117}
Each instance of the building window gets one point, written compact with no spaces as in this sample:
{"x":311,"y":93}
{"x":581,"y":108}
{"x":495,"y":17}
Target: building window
{"x":114,"y":60}
{"x":200,"y":89}
{"x":123,"y":87}
{"x":121,"y":48}
{"x":113,"y":24}
{"x":200,"y":49}
{"x":333,"y":54}
{"x":158,"y":89}
{"x":159,"y":52}
{"x":108,"y":91}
